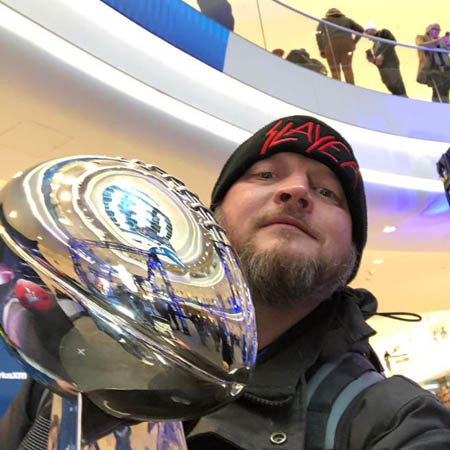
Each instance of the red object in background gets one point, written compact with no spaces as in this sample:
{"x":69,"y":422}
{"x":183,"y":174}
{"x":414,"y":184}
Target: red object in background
{"x":6,"y":274}
{"x":32,"y":296}
{"x":279,"y":52}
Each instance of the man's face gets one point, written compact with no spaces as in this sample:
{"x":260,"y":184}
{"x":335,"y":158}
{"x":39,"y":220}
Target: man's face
{"x":291,"y":210}
{"x":434,"y":32}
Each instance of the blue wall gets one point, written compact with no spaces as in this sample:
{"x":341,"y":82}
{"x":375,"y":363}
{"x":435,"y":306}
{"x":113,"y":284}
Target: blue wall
{"x":180,"y":25}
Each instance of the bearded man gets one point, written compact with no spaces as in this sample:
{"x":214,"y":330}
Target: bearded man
{"x":292,"y":201}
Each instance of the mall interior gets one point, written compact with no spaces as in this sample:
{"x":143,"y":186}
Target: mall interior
{"x":181,"y":84}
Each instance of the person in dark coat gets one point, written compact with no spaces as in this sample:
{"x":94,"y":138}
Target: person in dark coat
{"x":302,"y":58}
{"x":292,"y":200}
{"x":218,"y":10}
{"x":386,"y":60}
{"x":337,"y":45}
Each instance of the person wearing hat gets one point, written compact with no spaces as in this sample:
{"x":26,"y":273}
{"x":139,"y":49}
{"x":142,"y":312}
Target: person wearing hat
{"x":292,"y":201}
{"x":337,"y":45}
{"x":434,"y":67}
{"x":384,"y":57}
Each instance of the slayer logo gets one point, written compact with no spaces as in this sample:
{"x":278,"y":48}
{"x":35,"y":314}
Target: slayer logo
{"x":328,"y":145}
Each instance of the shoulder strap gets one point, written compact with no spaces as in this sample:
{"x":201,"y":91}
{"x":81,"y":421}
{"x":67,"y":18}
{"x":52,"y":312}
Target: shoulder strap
{"x":329,"y":392}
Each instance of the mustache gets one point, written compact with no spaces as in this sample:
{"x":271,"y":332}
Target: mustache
{"x":293,"y":212}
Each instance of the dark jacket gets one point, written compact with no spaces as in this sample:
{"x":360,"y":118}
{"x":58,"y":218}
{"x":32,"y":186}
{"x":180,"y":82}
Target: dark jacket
{"x":390,"y":58}
{"x":389,"y":415}
{"x":275,"y":400}
{"x":327,"y":34}
{"x":218,"y":10}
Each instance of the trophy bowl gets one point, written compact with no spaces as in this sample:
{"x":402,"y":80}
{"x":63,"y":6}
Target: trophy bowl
{"x":122,"y":286}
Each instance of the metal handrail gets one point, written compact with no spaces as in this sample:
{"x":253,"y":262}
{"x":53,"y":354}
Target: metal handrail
{"x":373,"y":38}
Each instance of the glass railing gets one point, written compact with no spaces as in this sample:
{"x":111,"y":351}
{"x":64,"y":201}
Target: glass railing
{"x":370,"y":61}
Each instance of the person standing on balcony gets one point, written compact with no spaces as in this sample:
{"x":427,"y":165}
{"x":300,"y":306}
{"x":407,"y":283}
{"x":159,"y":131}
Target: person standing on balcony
{"x":384,"y":56}
{"x":434,"y":67}
{"x":218,"y":10}
{"x":337,"y":45}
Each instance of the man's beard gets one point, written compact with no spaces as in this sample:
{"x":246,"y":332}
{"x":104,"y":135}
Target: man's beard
{"x":276,"y":278}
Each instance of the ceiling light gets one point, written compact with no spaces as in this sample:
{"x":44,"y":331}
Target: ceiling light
{"x":13,"y":214}
{"x":65,"y":221}
{"x":90,"y":165}
{"x":378,"y":261}
{"x":68,"y":180}
{"x":389,"y":229}
{"x":66,"y":196}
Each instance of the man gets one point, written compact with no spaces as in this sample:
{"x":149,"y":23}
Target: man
{"x":302,"y":58}
{"x":337,"y":45}
{"x":292,"y":201}
{"x":434,"y":67}
{"x":385,"y":59}
{"x":218,"y":10}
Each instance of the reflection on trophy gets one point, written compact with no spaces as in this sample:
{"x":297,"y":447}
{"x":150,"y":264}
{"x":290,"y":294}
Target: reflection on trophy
{"x":124,"y":299}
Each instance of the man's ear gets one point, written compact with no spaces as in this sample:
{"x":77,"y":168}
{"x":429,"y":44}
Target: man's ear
{"x":218,"y":214}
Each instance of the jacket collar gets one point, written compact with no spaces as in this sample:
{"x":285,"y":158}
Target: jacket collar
{"x":334,"y":328}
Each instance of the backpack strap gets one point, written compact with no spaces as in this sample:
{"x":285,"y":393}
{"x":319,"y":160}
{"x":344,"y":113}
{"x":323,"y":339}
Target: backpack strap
{"x":329,"y":392}
{"x":343,"y":401}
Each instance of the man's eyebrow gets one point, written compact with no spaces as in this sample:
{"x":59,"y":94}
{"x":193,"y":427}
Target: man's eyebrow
{"x":322,"y":172}
{"x":332,"y":178}
{"x":262,"y":163}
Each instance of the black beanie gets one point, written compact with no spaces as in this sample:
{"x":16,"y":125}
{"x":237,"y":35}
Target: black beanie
{"x":314,"y":139}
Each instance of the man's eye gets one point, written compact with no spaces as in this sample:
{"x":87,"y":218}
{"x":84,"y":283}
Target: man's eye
{"x":326,"y":192}
{"x":265,"y":175}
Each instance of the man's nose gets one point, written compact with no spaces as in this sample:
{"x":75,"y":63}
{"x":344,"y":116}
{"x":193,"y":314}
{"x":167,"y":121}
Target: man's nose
{"x":296,"y":192}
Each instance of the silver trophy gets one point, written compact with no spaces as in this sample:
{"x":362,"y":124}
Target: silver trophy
{"x":123,"y":293}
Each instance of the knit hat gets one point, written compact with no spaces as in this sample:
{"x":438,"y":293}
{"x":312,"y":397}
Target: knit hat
{"x":314,"y":139}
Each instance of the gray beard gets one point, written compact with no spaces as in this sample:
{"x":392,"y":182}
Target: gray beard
{"x":277,"y":280}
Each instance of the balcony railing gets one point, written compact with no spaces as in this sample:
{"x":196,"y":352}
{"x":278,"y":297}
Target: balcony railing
{"x":375,"y":63}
